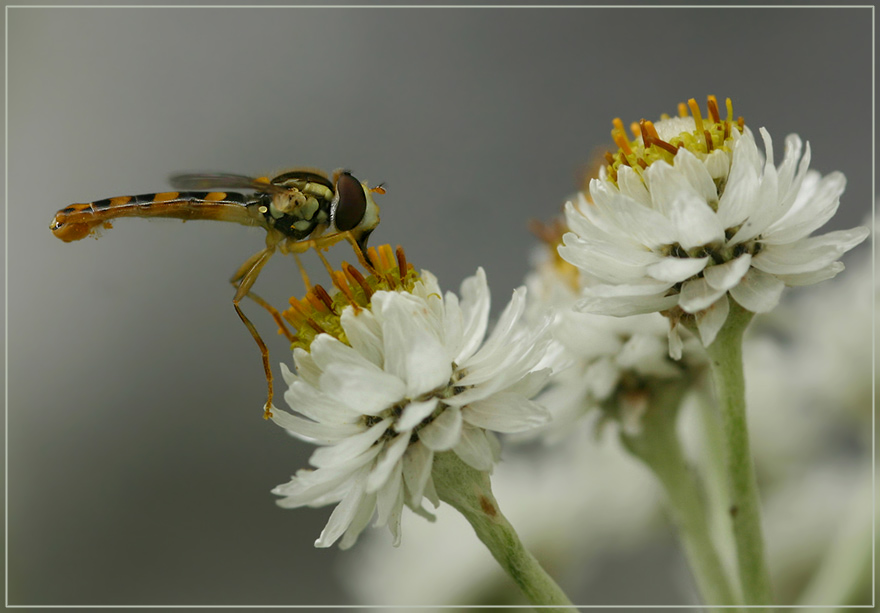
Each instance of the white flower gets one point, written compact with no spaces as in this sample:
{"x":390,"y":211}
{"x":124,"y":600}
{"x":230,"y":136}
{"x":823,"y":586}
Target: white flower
{"x":406,"y":375}
{"x":690,"y":212}
{"x":598,"y":359}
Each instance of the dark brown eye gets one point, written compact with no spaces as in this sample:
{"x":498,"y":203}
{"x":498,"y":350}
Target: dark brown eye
{"x":351,"y":204}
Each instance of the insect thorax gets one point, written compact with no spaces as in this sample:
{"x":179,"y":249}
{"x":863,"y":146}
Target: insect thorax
{"x":295,"y":214}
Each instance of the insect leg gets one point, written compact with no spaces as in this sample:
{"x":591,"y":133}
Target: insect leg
{"x":302,"y":271}
{"x":329,"y":240}
{"x":276,"y":315}
{"x":246,"y":277}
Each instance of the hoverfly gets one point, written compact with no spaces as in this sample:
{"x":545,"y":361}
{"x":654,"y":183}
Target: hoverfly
{"x":299,"y":209}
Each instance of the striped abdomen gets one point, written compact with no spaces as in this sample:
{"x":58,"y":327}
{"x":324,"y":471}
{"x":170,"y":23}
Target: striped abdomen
{"x":80,"y":220}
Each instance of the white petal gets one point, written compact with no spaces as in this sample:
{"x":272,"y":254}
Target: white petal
{"x":793,"y":148}
{"x":417,"y":463}
{"x":675,"y":270}
{"x":287,"y":375}
{"x":390,"y":497}
{"x":697,"y":176}
{"x":809,"y":278}
{"x":532,"y":383}
{"x":306,"y":368}
{"x":808,"y":254}
{"x":769,"y":206}
{"x":313,"y":431}
{"x":697,"y":295}
{"x":818,"y":208}
{"x":452,"y":328}
{"x":475,"y":310}
{"x":506,"y":323}
{"x":343,"y":514}
{"x":368,"y":390}
{"x":414,"y":413}
{"x":442,"y":433}
{"x":632,"y":186}
{"x":326,"y":350}
{"x":505,"y":412}
{"x":691,"y":215}
{"x":717,"y":164}
{"x":364,"y":334}
{"x":318,"y":406}
{"x":675,"y":342}
{"x":324,"y":485}
{"x":739,"y":198}
{"x":613,"y":262}
{"x":726,"y":275}
{"x":758,"y":292}
{"x":642,"y":224}
{"x":387,"y":462}
{"x":624,"y":306}
{"x":474,"y":449}
{"x":411,"y":352}
{"x":359,"y":522}
{"x":710,"y":320}
{"x":350,"y":447}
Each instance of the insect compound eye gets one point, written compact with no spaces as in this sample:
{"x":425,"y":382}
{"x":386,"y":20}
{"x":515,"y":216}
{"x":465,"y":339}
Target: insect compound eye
{"x":351,"y":203}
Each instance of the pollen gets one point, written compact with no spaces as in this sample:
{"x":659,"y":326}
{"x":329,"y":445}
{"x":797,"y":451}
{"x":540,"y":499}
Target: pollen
{"x":320,"y":312}
{"x":661,"y":141}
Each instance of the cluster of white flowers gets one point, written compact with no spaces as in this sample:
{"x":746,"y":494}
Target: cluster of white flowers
{"x":401,"y":372}
{"x":686,"y":218}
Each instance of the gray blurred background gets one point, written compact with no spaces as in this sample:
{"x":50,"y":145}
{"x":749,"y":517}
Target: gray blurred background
{"x":139,"y":464}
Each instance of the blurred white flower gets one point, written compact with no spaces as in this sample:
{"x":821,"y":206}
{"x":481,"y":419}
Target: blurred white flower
{"x":400,"y":372}
{"x":597,"y":358}
{"x":689,"y":212}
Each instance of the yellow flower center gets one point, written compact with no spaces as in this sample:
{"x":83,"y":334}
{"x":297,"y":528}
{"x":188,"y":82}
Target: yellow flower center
{"x":318,"y":312}
{"x":701,"y":136}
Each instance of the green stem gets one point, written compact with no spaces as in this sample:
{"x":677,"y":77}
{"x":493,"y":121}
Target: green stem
{"x":658,"y":446}
{"x":468,"y":490}
{"x":745,"y":513}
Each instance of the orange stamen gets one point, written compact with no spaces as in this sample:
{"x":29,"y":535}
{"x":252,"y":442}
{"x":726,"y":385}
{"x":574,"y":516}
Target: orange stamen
{"x":635,"y":128}
{"x":325,"y":298}
{"x":355,"y":277}
{"x":401,"y":262}
{"x":712,"y":103}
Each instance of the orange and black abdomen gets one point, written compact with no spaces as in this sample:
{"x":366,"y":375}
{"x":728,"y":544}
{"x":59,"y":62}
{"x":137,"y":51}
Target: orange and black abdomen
{"x":80,"y":220}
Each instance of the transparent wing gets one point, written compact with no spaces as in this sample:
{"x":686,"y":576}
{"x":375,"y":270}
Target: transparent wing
{"x":212,"y":180}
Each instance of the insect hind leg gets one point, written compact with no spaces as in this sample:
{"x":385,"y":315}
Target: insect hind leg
{"x":243,"y":280}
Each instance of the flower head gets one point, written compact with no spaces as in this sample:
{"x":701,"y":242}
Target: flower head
{"x":391,"y":371}
{"x":598,"y":361}
{"x":690,"y":212}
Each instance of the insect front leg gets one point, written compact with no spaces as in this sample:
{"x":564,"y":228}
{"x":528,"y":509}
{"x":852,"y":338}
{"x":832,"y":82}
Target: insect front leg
{"x":244,"y":278}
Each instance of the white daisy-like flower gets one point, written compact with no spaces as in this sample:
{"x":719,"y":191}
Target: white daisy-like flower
{"x":389,"y":372}
{"x":598,"y":360}
{"x":690,"y":213}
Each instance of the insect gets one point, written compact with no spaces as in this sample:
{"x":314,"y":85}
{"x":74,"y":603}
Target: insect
{"x":299,"y":209}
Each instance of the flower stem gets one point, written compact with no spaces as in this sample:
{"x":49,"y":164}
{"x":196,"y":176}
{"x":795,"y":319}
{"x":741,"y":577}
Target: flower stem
{"x":657,"y":445}
{"x":468,"y":490}
{"x":745,"y":513}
